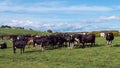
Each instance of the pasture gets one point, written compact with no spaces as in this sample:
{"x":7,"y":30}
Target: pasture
{"x":9,"y":31}
{"x":100,"y":56}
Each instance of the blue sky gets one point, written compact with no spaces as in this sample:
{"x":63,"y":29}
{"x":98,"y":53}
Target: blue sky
{"x":61,"y":15}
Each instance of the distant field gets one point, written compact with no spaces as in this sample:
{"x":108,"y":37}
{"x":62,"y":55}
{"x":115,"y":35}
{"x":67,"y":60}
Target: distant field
{"x":100,"y":56}
{"x":9,"y":31}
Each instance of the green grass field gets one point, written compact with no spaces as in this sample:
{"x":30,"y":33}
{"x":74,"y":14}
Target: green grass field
{"x":100,"y":56}
{"x":9,"y":31}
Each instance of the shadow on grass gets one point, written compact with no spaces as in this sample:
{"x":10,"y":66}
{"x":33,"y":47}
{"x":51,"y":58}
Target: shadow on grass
{"x":116,"y":45}
{"x":32,"y":51}
{"x":89,"y":45}
{"x":9,"y":47}
{"x":99,"y":45}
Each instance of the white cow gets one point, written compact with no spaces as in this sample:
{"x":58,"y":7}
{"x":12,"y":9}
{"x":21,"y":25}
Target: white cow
{"x":102,"y":35}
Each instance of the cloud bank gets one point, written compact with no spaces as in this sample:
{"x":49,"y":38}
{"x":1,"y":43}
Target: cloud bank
{"x":88,"y":25}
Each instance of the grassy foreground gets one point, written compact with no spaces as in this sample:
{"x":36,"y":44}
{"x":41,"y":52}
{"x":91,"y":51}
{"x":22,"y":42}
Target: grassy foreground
{"x":100,"y":56}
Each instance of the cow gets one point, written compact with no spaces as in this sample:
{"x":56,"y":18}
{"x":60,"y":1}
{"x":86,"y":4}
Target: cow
{"x":84,"y":39}
{"x":69,"y":38}
{"x":60,"y":39}
{"x":109,"y":38}
{"x":90,"y":38}
{"x":54,"y":41}
{"x":41,"y":42}
{"x":30,"y":41}
{"x":102,"y":35}
{"x":78,"y":38}
{"x":3,"y":46}
{"x":20,"y":42}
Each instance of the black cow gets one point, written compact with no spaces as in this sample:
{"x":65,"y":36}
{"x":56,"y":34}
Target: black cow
{"x":54,"y":40}
{"x":60,"y":39}
{"x":90,"y":38}
{"x":19,"y":42}
{"x":109,"y":38}
{"x":84,"y":39}
{"x":3,"y":46}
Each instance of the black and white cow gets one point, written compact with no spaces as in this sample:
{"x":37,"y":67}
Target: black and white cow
{"x":20,"y":42}
{"x":84,"y":39}
{"x":69,"y":38}
{"x":44,"y":41}
{"x":109,"y":38}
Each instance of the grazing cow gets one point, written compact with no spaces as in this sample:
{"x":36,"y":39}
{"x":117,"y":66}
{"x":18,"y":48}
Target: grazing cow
{"x":19,"y":42}
{"x":3,"y":46}
{"x":109,"y":38}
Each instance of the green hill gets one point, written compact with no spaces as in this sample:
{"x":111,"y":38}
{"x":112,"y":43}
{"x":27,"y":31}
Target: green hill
{"x":9,"y":31}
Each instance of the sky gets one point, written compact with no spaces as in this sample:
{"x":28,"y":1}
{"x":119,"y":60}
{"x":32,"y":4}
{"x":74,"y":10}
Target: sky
{"x":61,"y":15}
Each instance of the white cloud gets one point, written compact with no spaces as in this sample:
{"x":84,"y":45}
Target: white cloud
{"x":64,"y":27}
{"x":20,"y":23}
{"x":104,"y":19}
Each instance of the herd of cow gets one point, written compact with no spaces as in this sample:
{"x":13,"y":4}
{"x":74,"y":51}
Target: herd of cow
{"x":54,"y":41}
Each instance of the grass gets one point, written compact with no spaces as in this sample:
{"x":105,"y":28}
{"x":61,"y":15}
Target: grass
{"x":10,"y":31}
{"x":100,"y":56}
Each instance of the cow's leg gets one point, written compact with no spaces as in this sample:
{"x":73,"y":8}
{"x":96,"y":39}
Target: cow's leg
{"x":68,"y":44}
{"x":93,"y":43}
{"x":14,"y":49}
{"x":43,"y":48}
{"x":34,"y":44}
{"x":72,"y":45}
{"x":83,"y":45}
{"x":110,"y":43}
{"x":107,"y":42}
{"x":21,"y":50}
{"x":28,"y":44}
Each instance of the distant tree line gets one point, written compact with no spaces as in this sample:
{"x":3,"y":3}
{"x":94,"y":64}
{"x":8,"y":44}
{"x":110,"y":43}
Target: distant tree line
{"x":6,"y":26}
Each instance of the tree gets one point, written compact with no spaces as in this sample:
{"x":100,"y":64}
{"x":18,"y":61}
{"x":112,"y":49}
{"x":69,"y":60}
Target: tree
{"x":49,"y":30}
